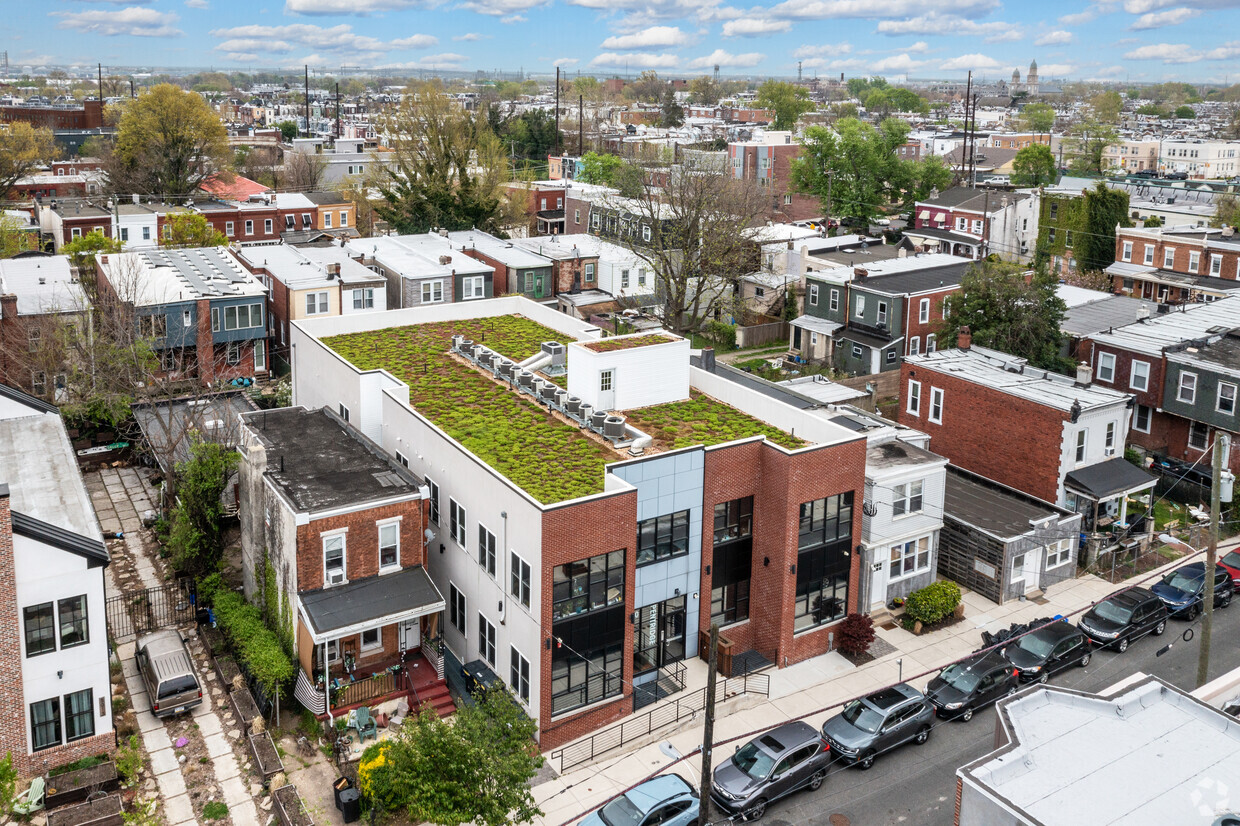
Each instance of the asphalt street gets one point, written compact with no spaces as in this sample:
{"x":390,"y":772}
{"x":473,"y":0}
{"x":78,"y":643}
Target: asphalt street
{"x":916,"y":785}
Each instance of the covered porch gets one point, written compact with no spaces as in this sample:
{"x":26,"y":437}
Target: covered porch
{"x":1100,"y":494}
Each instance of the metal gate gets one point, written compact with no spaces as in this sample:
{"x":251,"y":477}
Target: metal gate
{"x":140,"y":610}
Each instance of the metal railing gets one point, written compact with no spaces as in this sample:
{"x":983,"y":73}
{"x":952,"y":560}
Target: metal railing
{"x":362,"y":690}
{"x":663,"y":714}
{"x":138,"y":611}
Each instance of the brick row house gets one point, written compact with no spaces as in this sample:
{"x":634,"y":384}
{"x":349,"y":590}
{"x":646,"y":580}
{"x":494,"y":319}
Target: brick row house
{"x":424,"y":269}
{"x":1176,"y":265}
{"x":975,"y":223}
{"x":751,"y":527}
{"x":768,"y":159}
{"x":39,"y":298}
{"x":56,"y":705}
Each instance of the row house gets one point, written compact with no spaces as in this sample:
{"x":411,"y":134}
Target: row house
{"x":1183,"y":368}
{"x":753,"y":528}
{"x":767,"y":158}
{"x":1058,"y":438}
{"x":867,"y":318}
{"x":424,"y":269}
{"x":544,"y":204}
{"x":576,"y":260}
{"x":1176,"y":265}
{"x":518,"y":270}
{"x":976,"y":223}
{"x":57,"y":693}
{"x":1200,"y":158}
{"x":204,"y":312}
{"x":66,"y":220}
{"x":1130,"y":156}
{"x":306,"y":282}
{"x":1016,"y":140}
{"x":39,"y":297}
{"x":339,"y":524}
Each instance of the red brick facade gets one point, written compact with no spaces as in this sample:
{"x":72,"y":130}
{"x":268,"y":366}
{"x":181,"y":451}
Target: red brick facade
{"x":913,"y":326}
{"x":88,"y":116}
{"x":361,"y":542}
{"x":786,"y":204}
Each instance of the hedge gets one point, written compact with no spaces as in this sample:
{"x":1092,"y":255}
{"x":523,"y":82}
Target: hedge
{"x":932,"y":603}
{"x":253,"y":642}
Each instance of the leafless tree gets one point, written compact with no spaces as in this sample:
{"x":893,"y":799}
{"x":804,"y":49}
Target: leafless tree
{"x":304,"y":171}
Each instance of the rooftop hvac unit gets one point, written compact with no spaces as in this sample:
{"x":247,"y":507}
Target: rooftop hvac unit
{"x":585,"y":412}
{"x":476,"y":352}
{"x":547,"y":392}
{"x":485,"y":356}
{"x":525,"y":379}
{"x":557,"y":351}
{"x":613,"y":427}
{"x":464,"y":344}
{"x":573,"y":405}
{"x":503,"y":368}
{"x":561,"y":396}
{"x":597,"y":418}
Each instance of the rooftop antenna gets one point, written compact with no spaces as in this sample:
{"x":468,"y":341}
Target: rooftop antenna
{"x":798,"y":71}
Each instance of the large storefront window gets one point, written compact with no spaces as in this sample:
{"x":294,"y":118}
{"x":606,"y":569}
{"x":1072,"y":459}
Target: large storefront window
{"x":732,"y":561}
{"x":588,"y":646}
{"x":823,"y":561}
{"x":587,"y":585}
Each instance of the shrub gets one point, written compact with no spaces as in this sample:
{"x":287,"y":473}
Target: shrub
{"x":856,"y":633}
{"x":215,"y":810}
{"x":120,"y":705}
{"x":254,"y":643}
{"x":932,"y":603}
{"x":129,"y":761}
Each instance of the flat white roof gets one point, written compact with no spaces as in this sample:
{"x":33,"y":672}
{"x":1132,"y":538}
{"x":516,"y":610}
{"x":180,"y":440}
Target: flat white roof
{"x":152,"y":277}
{"x":302,"y":267}
{"x":576,"y":245}
{"x":42,"y":284}
{"x":1076,"y":296}
{"x":417,"y":256}
{"x":1187,"y":321}
{"x":1149,"y":756}
{"x":506,"y":252}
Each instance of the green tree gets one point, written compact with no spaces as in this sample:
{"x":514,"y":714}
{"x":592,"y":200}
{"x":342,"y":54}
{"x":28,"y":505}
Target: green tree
{"x":786,"y":100}
{"x":82,"y":251}
{"x":168,"y":142}
{"x":599,"y":169}
{"x":197,"y":535}
{"x":189,"y":229}
{"x":288,"y":130}
{"x":704,"y":91}
{"x":1034,"y":166}
{"x":1152,"y":109}
{"x":476,"y":769}
{"x":1007,"y":311}
{"x":1226,"y":211}
{"x":671,"y":113}
{"x":648,"y":88}
{"x":1105,"y":208}
{"x":8,"y":783}
{"x":14,"y":238}
{"x":1038,"y":118}
{"x":529,"y":135}
{"x":23,"y":148}
{"x":1106,"y":106}
{"x":1185,"y":112}
{"x":1086,"y":141}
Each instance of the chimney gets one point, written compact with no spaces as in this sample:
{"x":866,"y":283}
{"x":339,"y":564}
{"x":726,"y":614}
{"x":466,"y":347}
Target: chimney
{"x":8,"y":306}
{"x":708,"y":359}
{"x":1143,"y":312}
{"x":860,"y":272}
{"x":964,"y":339}
{"x":333,"y":270}
{"x":1084,"y":374}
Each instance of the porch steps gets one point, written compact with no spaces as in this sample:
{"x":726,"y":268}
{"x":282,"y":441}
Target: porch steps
{"x":437,"y":697}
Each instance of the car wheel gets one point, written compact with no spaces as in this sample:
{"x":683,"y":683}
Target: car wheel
{"x":866,"y":761}
{"x":923,"y":734}
{"x":1042,"y":678}
{"x":1012,"y":690}
{"x":967,"y":714}
{"x":1225,"y":601}
{"x":1086,"y":658}
{"x":756,"y":811}
{"x":1122,"y":645}
{"x":815,"y":782}
{"x":1160,"y":628}
{"x":1193,"y":612}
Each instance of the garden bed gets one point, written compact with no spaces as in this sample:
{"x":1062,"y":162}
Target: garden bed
{"x":75,"y":785}
{"x":247,"y":709}
{"x":266,"y":757}
{"x":289,"y":807}
{"x":106,"y":811}
{"x":701,"y":420}
{"x":226,"y":667}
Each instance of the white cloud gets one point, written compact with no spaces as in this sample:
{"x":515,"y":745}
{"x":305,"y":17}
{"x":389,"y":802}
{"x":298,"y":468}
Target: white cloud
{"x":1111,"y":71}
{"x":122,"y":2}
{"x":636,"y":60}
{"x":1055,"y":38}
{"x":415,"y":41}
{"x":898,"y":64}
{"x":655,"y":37}
{"x":1159,"y":19}
{"x":1166,"y":52}
{"x":1228,"y":51}
{"x":977,"y":62}
{"x":728,"y":60}
{"x":131,"y":22}
{"x":823,"y":51}
{"x":336,"y":39}
{"x":470,"y":37}
{"x":358,"y":7}
{"x":754,"y":27}
{"x":1056,"y":69}
{"x":920,"y":47}
{"x":565,"y":61}
{"x":503,"y":8}
{"x":513,"y":18}
{"x":448,"y":60}
{"x":951,"y":25}
{"x":255,"y":45}
{"x":197,"y":4}
{"x":868,"y":9}
{"x":1143,"y":6}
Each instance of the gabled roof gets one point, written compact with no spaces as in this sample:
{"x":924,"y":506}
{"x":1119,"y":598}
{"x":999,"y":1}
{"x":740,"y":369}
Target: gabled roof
{"x":93,"y":550}
{"x":13,"y":394}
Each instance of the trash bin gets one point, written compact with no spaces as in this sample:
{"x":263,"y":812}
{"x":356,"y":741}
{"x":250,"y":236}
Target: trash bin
{"x":342,"y":784}
{"x":351,"y":805}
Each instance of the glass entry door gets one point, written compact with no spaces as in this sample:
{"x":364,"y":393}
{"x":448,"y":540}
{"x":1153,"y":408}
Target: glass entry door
{"x":659,"y":635}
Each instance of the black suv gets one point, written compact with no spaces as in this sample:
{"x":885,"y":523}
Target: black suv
{"x":963,"y":687}
{"x":1123,"y":617}
{"x":776,"y":764}
{"x":1048,"y":650}
{"x":1181,"y":589}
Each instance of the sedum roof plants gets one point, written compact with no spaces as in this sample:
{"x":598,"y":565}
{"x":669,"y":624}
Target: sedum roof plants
{"x":702,"y":420}
{"x":550,"y":460}
{"x":607,"y":345}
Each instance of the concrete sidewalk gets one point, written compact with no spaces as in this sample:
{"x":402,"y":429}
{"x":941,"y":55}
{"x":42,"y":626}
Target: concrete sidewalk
{"x":816,"y":688}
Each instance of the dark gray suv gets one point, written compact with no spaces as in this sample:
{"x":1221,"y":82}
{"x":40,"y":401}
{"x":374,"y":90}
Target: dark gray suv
{"x":879,"y":723}
{"x":778,"y":763}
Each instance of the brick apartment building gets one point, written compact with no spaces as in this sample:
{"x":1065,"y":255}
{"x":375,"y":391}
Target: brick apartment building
{"x":583,"y":587}
{"x":1175,"y":265}
{"x":39,"y":297}
{"x":55,"y":116}
{"x":768,"y":160}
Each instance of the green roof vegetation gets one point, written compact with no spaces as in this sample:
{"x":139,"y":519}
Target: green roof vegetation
{"x":701,"y":420}
{"x":550,"y":460}
{"x":608,"y":345}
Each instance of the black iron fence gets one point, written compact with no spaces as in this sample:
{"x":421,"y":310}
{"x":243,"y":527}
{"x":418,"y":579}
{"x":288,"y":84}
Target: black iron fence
{"x":141,"y":610}
{"x":664,"y":714}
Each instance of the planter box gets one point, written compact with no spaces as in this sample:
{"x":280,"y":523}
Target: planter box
{"x":289,"y":807}
{"x":247,"y":709}
{"x":75,"y":786}
{"x":227,"y":668}
{"x":105,"y":811}
{"x":266,"y":757}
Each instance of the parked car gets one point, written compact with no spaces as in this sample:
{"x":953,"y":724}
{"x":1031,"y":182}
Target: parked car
{"x":666,"y":800}
{"x":882,"y":222}
{"x":964,"y":687}
{"x":1123,"y":617}
{"x":780,"y":762}
{"x":1048,"y":650}
{"x":1231,"y":561}
{"x":1181,"y":590}
{"x":168,"y":672}
{"x":883,"y":721}
{"x":1145,"y":173}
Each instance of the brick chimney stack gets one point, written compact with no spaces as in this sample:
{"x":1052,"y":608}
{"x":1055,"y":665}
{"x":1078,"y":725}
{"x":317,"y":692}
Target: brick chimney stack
{"x":964,"y":339}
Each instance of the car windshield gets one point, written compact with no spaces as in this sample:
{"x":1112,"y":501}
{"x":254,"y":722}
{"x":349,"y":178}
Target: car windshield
{"x":1183,"y":580}
{"x":862,"y":716}
{"x":1232,"y":559}
{"x":1115,"y":613}
{"x":1035,"y":645}
{"x":620,"y":812}
{"x":753,"y":761}
{"x":960,"y":677}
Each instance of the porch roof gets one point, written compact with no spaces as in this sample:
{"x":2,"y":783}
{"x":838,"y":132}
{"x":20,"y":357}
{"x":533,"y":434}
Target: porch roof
{"x":816,"y":325}
{"x":378,"y":600}
{"x":1106,"y":480}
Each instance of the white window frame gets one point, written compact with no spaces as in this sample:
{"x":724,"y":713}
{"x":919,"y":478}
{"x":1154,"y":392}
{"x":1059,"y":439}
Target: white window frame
{"x":228,"y":229}
{"x":344,"y":219}
{"x":1218,"y":404}
{"x":1168,"y":258}
{"x":249,"y":227}
{"x":260,"y":354}
{"x":435,"y":291}
{"x":1109,"y":439}
{"x":1059,"y":553}
{"x":457,"y":522}
{"x":907,"y":498}
{"x":317,"y":303}
{"x":1216,"y":265}
{"x":1143,"y":372}
{"x":1082,"y":444}
{"x":923,"y":311}
{"x":332,"y":536}
{"x":833,"y":300}
{"x":379,"y":528}
{"x":1136,"y":418}
{"x":646,"y":233}
{"x":920,"y":548}
{"x":1106,"y":367}
{"x":1149,"y":255}
{"x":859,"y":307}
{"x":914,"y":346}
{"x":1186,"y":389}
{"x":473,"y":287}
{"x":935,"y":414}
{"x":374,"y":646}
{"x":931,"y":343}
{"x":882,"y":312}
{"x":268,"y":226}
{"x":1126,"y":255}
{"x":813,"y":295}
{"x":364,"y":298}
{"x":327,"y":220}
{"x":913,"y":402}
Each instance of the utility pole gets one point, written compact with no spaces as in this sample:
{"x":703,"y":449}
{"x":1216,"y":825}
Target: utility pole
{"x":830,"y":175}
{"x":132,"y":92}
{"x":1222,"y":449}
{"x":985,"y":223}
{"x":708,"y":727}
{"x":557,"y":110}
{"x":337,"y":109}
{"x":307,"y":100}
{"x":581,"y":124}
{"x":964,"y":147}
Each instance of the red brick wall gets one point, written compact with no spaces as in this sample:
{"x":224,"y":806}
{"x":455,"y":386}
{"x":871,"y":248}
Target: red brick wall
{"x":565,"y":270}
{"x":1152,"y":397}
{"x":573,"y":206}
{"x":361,"y":542}
{"x":1011,"y":440}
{"x":90,"y":116}
{"x":1183,"y":247}
{"x":502,"y":283}
{"x":612,"y":525}
{"x":12,"y":704}
{"x":913,"y":325}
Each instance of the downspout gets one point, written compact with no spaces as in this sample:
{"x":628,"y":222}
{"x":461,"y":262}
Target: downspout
{"x":327,"y":689}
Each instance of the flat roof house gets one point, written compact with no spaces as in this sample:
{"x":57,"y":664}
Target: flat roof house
{"x":39,"y":295}
{"x":424,"y":269}
{"x":596,"y":502}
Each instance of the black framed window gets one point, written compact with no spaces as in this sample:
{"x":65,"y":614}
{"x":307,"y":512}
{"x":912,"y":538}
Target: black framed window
{"x":519,"y":678}
{"x":456,"y":608}
{"x":825,"y":520}
{"x":730,"y":603}
{"x":823,"y":561}
{"x":486,"y":640}
{"x":486,"y":550}
{"x":587,"y":659}
{"x":434,"y":500}
{"x":73,"y":625}
{"x":733,"y":520}
{"x":662,"y":537}
{"x":45,"y":724}
{"x":79,"y":716}
{"x":587,"y":585}
{"x":40,"y":628}
{"x":520,"y":587}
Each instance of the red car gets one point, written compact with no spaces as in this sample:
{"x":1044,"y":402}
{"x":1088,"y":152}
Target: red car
{"x":1231,"y":561}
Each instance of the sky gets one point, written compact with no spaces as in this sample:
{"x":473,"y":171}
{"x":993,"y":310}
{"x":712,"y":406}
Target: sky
{"x":1115,"y":40}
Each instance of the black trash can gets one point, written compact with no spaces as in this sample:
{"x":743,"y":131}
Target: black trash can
{"x":342,"y":784}
{"x":351,"y":805}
